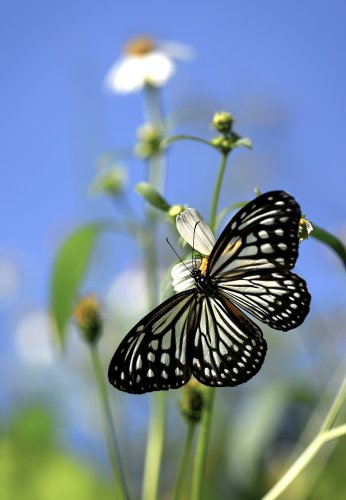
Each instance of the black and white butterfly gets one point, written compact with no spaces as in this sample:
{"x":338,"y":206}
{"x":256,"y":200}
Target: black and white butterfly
{"x":202,"y":330}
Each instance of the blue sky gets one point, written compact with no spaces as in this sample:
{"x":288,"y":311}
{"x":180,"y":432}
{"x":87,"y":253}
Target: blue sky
{"x":278,"y":66}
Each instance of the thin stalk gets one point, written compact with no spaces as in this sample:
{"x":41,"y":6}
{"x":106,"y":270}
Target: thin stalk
{"x":198,"y":473}
{"x":209,"y":394}
{"x":216,"y":196}
{"x":110,"y":435}
{"x":323,"y":436}
{"x":185,"y":460}
{"x":156,"y":431}
{"x":335,"y":407}
{"x":182,"y":137}
{"x":303,"y":460}
{"x":154,"y":446}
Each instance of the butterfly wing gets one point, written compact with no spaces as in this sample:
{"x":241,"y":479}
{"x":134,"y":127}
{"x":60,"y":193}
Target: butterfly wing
{"x":154,"y":354}
{"x":251,"y":261}
{"x":262,"y":235}
{"x":229,"y":348}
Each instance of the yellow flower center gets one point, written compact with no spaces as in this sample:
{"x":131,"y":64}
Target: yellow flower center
{"x":203,"y":266}
{"x":140,"y":46}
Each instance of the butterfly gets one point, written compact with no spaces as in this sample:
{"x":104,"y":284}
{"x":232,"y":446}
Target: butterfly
{"x":202,"y":331}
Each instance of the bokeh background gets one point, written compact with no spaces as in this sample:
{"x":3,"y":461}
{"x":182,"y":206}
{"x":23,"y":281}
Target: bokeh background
{"x":280,"y":68}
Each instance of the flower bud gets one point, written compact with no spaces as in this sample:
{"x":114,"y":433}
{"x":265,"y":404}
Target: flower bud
{"x":152,"y":196}
{"x":305,"y":228}
{"x":223,"y":122}
{"x":192,"y":402}
{"x":110,"y":181}
{"x":149,"y":141}
{"x":87,"y":317}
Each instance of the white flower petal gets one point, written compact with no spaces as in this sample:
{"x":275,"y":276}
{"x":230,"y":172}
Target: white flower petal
{"x":131,"y":73}
{"x":177,"y":50}
{"x":158,"y":68}
{"x":126,"y":75}
{"x":198,"y":237}
{"x":181,"y":275}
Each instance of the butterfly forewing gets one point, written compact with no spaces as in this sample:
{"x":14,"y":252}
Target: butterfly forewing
{"x":228,"y":347}
{"x":261,"y":236}
{"x":153,"y":355}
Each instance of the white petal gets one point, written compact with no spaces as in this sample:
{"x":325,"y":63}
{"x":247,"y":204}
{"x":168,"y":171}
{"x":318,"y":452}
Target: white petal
{"x":126,"y":75}
{"x":181,"y":277}
{"x":158,"y":68}
{"x":177,"y":50}
{"x":198,"y":237}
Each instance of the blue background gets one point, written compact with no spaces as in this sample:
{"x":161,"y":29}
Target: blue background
{"x":279,"y":67}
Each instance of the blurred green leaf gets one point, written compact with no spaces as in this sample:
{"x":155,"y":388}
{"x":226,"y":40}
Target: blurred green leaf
{"x":68,"y":271}
{"x":332,"y":241}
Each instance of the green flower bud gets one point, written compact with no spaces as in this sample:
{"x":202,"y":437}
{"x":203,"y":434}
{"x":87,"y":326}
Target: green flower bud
{"x":152,"y":196}
{"x":110,"y":181}
{"x":149,"y":141}
{"x":87,"y":317}
{"x":223,"y":122}
{"x":192,"y":402}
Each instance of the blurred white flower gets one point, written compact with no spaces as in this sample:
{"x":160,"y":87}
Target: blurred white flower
{"x":35,"y":338}
{"x":145,"y":62}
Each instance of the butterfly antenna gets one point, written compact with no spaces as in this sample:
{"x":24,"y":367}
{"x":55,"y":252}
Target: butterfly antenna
{"x":176,"y":253}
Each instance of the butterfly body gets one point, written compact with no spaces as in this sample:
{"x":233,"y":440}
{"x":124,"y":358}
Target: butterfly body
{"x":202,"y":330}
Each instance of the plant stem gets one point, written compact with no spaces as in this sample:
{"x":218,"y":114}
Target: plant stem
{"x":185,"y":460}
{"x":216,"y":196}
{"x":154,"y":446}
{"x":335,"y":407}
{"x":156,"y":177}
{"x":209,"y":394}
{"x":198,"y":473}
{"x":324,"y":435}
{"x":110,"y":435}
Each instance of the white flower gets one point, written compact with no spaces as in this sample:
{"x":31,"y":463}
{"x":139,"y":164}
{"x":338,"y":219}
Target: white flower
{"x":145,"y":62}
{"x":193,"y":228}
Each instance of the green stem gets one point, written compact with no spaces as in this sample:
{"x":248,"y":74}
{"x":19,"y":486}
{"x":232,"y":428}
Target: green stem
{"x":154,"y":446}
{"x":112,"y":444}
{"x":198,"y":474}
{"x":303,"y":460}
{"x":335,"y":407}
{"x":156,"y":431}
{"x":185,"y":460}
{"x":182,"y":137}
{"x":216,"y":196}
{"x":324,"y":435}
{"x":209,"y":394}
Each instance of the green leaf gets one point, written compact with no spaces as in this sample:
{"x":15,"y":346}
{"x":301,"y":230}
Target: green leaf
{"x":329,"y":239}
{"x":244,"y":142}
{"x":68,"y":271}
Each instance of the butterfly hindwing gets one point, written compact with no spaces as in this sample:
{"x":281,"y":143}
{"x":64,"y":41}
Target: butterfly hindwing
{"x":153,"y":355}
{"x":280,"y":299}
{"x":229,"y":348}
